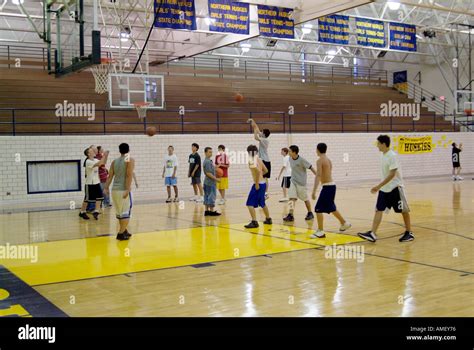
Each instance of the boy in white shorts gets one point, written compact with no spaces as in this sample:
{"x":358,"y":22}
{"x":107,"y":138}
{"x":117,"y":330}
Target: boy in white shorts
{"x":121,"y":172}
{"x":299,"y":176}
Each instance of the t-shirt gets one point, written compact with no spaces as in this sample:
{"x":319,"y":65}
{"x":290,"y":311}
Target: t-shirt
{"x":299,"y":168}
{"x":455,"y":155}
{"x":103,"y":173}
{"x":224,"y":160}
{"x":286,"y":164}
{"x":194,"y":160}
{"x":263,"y":148}
{"x":390,"y":162}
{"x":169,"y":163}
{"x":209,"y":168}
{"x":92,"y":173}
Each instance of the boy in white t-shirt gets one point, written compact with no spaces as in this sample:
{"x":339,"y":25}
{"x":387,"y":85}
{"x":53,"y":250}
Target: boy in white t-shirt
{"x":93,"y":191}
{"x":170,"y":169}
{"x":286,"y":172}
{"x":390,"y":193}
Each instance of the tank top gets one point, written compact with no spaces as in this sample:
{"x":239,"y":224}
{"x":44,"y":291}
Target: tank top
{"x":120,"y":174}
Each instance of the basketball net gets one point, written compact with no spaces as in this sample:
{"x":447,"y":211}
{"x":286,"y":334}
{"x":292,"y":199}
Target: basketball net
{"x":101,"y":75}
{"x":141,"y":108}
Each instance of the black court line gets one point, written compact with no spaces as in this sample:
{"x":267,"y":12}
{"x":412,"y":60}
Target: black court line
{"x":418,"y":226}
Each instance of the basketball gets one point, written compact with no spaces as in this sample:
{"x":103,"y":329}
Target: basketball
{"x":219,"y":172}
{"x":151,"y":131}
{"x":239,"y":97}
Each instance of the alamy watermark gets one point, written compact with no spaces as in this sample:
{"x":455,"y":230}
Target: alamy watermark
{"x":400,"y":110}
{"x":75,"y":110}
{"x":345,"y":252}
{"x":19,"y":252}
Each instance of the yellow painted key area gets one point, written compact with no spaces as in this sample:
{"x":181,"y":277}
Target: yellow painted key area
{"x":78,"y":259}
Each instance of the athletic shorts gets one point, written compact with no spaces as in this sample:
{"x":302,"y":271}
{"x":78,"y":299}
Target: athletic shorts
{"x":210,"y":195}
{"x":395,"y":199}
{"x":93,"y":193}
{"x":456,"y":165}
{"x":171,"y":181}
{"x":268,"y":165}
{"x":325,"y":203}
{"x":224,"y":184}
{"x":286,"y":182}
{"x":256,"y":197}
{"x":196,"y":180}
{"x":298,"y":192}
{"x":123,"y":206}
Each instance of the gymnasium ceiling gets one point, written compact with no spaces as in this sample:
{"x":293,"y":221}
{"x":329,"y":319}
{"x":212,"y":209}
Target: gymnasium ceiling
{"x":436,"y":15}
{"x":19,"y":25}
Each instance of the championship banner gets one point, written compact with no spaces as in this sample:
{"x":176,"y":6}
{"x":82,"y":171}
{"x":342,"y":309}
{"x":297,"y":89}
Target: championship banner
{"x":276,"y":22}
{"x":400,"y":81}
{"x":175,"y":14}
{"x":228,"y":16}
{"x":334,"y":29}
{"x":370,"y":32}
{"x":415,"y":145}
{"x":402,"y":36}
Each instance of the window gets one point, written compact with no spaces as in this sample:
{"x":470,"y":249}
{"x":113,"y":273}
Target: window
{"x":53,"y":176}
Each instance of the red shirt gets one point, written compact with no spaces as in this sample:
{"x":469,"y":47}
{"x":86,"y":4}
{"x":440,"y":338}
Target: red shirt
{"x":103,"y":173}
{"x":223,"y":160}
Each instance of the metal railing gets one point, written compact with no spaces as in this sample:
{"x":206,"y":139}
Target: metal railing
{"x":202,"y":66}
{"x":22,"y":122}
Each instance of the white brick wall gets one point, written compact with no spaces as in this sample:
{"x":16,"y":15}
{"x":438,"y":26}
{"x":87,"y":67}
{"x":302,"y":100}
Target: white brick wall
{"x":149,"y":151}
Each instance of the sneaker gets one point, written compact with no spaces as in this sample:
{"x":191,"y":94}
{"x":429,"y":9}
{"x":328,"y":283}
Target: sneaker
{"x":318,"y":234}
{"x":407,"y":237}
{"x":176,"y":200}
{"x":253,"y":224}
{"x":460,"y":178}
{"x":283,"y":200}
{"x":267,"y":196}
{"x":289,"y":218}
{"x":369,"y":236}
{"x":193,"y":198}
{"x":309,"y":216}
{"x":214,"y":213}
{"x":268,"y":221}
{"x":345,"y":226}
{"x":96,"y":215}
{"x":169,"y":200}
{"x":221,"y":202}
{"x":454,"y":178}
{"x":206,"y":213}
{"x":122,"y":236}
{"x":84,"y":216}
{"x":127,"y":234}
{"x":199,"y":200}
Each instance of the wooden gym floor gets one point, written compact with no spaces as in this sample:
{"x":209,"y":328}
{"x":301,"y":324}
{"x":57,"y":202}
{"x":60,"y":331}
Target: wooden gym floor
{"x":179,"y":263}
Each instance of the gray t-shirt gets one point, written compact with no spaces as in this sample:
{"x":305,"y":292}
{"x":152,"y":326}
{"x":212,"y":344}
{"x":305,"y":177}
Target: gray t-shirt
{"x":263,"y":148}
{"x":208,"y":166}
{"x":299,"y":167}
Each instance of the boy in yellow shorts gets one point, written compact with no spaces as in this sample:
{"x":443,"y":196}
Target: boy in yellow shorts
{"x":222,"y":162}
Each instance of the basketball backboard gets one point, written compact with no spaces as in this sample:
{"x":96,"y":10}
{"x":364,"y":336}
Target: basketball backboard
{"x":126,"y":89}
{"x":464,"y":100}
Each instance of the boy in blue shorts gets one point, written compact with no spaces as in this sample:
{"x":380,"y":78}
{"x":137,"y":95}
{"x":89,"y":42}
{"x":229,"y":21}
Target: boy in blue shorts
{"x":256,"y":196}
{"x":210,"y":181}
{"x":170,"y":168}
{"x":327,"y":196}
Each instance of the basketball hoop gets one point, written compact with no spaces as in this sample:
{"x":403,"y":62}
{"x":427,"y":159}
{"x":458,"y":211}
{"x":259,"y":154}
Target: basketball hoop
{"x":468,"y":112}
{"x":101,"y":75}
{"x":141,"y":108}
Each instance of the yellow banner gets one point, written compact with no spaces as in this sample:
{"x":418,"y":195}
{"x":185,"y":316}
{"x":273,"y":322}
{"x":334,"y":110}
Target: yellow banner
{"x":414,"y":145}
